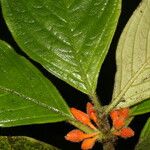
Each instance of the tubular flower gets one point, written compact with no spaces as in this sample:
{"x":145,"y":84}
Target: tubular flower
{"x":78,"y":136}
{"x":114,"y":114}
{"x":118,"y":123}
{"x":124,"y":112}
{"x":82,"y":117}
{"x":125,"y":132}
{"x":91,"y":112}
{"x":119,"y":117}
{"x":119,"y":113}
{"x":88,"y":143}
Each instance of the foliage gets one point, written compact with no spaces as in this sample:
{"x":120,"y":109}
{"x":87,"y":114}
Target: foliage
{"x":70,"y":39}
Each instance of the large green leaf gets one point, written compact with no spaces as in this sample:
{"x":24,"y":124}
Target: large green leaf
{"x":23,"y":143}
{"x":69,"y":38}
{"x":132,"y":82}
{"x":26,"y":96}
{"x":144,"y":141}
{"x":141,"y":108}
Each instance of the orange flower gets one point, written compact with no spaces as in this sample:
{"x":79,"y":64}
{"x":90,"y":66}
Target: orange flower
{"x":82,"y":117}
{"x":78,"y":136}
{"x":91,"y":112}
{"x":122,"y":112}
{"x":125,"y":132}
{"x":75,"y":136}
{"x":88,"y":143}
{"x":118,"y":123}
{"x":119,"y":117}
{"x":114,"y":114}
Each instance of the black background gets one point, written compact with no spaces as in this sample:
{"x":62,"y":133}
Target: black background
{"x":54,"y":133}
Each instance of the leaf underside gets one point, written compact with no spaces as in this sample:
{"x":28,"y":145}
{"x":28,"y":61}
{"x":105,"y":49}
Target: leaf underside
{"x":69,"y":38}
{"x":24,"y":143}
{"x":144,"y":140}
{"x":132,"y":82}
{"x":26,"y":96}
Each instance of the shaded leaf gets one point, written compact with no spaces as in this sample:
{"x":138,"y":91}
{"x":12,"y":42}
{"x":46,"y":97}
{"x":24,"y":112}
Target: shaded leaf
{"x":24,"y":143}
{"x":69,"y":38}
{"x":141,"y":108}
{"x":144,"y":140}
{"x":26,"y":96}
{"x":132,"y":82}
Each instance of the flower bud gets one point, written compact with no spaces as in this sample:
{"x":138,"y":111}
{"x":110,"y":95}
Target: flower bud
{"x":88,"y":143}
{"x":124,"y":112}
{"x":91,"y":112}
{"x":78,"y":136}
{"x":114,"y":114}
{"x":75,"y":136}
{"x":124,"y":132}
{"x":82,"y":117}
{"x":118,"y":123}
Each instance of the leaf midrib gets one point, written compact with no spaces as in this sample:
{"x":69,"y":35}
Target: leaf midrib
{"x":79,"y":64}
{"x":14,"y":62}
{"x":123,"y":91}
{"x":35,"y":101}
{"x":89,"y":85}
{"x":81,"y":69}
{"x":133,"y":78}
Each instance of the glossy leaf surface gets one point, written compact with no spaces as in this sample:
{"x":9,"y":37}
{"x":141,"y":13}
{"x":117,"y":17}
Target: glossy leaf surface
{"x":132,"y":82}
{"x":24,"y":143}
{"x":144,"y":140}
{"x":26,"y":96}
{"x":69,"y":38}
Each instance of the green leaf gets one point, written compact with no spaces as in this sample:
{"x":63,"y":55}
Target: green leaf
{"x":132,"y":82}
{"x":26,"y":96}
{"x":24,"y":143}
{"x":141,"y":108}
{"x":69,"y":38}
{"x":144,"y":140}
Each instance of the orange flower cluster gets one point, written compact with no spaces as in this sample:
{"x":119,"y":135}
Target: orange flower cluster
{"x":119,"y":117}
{"x":88,"y":140}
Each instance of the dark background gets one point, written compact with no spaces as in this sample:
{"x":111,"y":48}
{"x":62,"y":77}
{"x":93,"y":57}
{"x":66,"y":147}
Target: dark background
{"x":54,"y":133}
